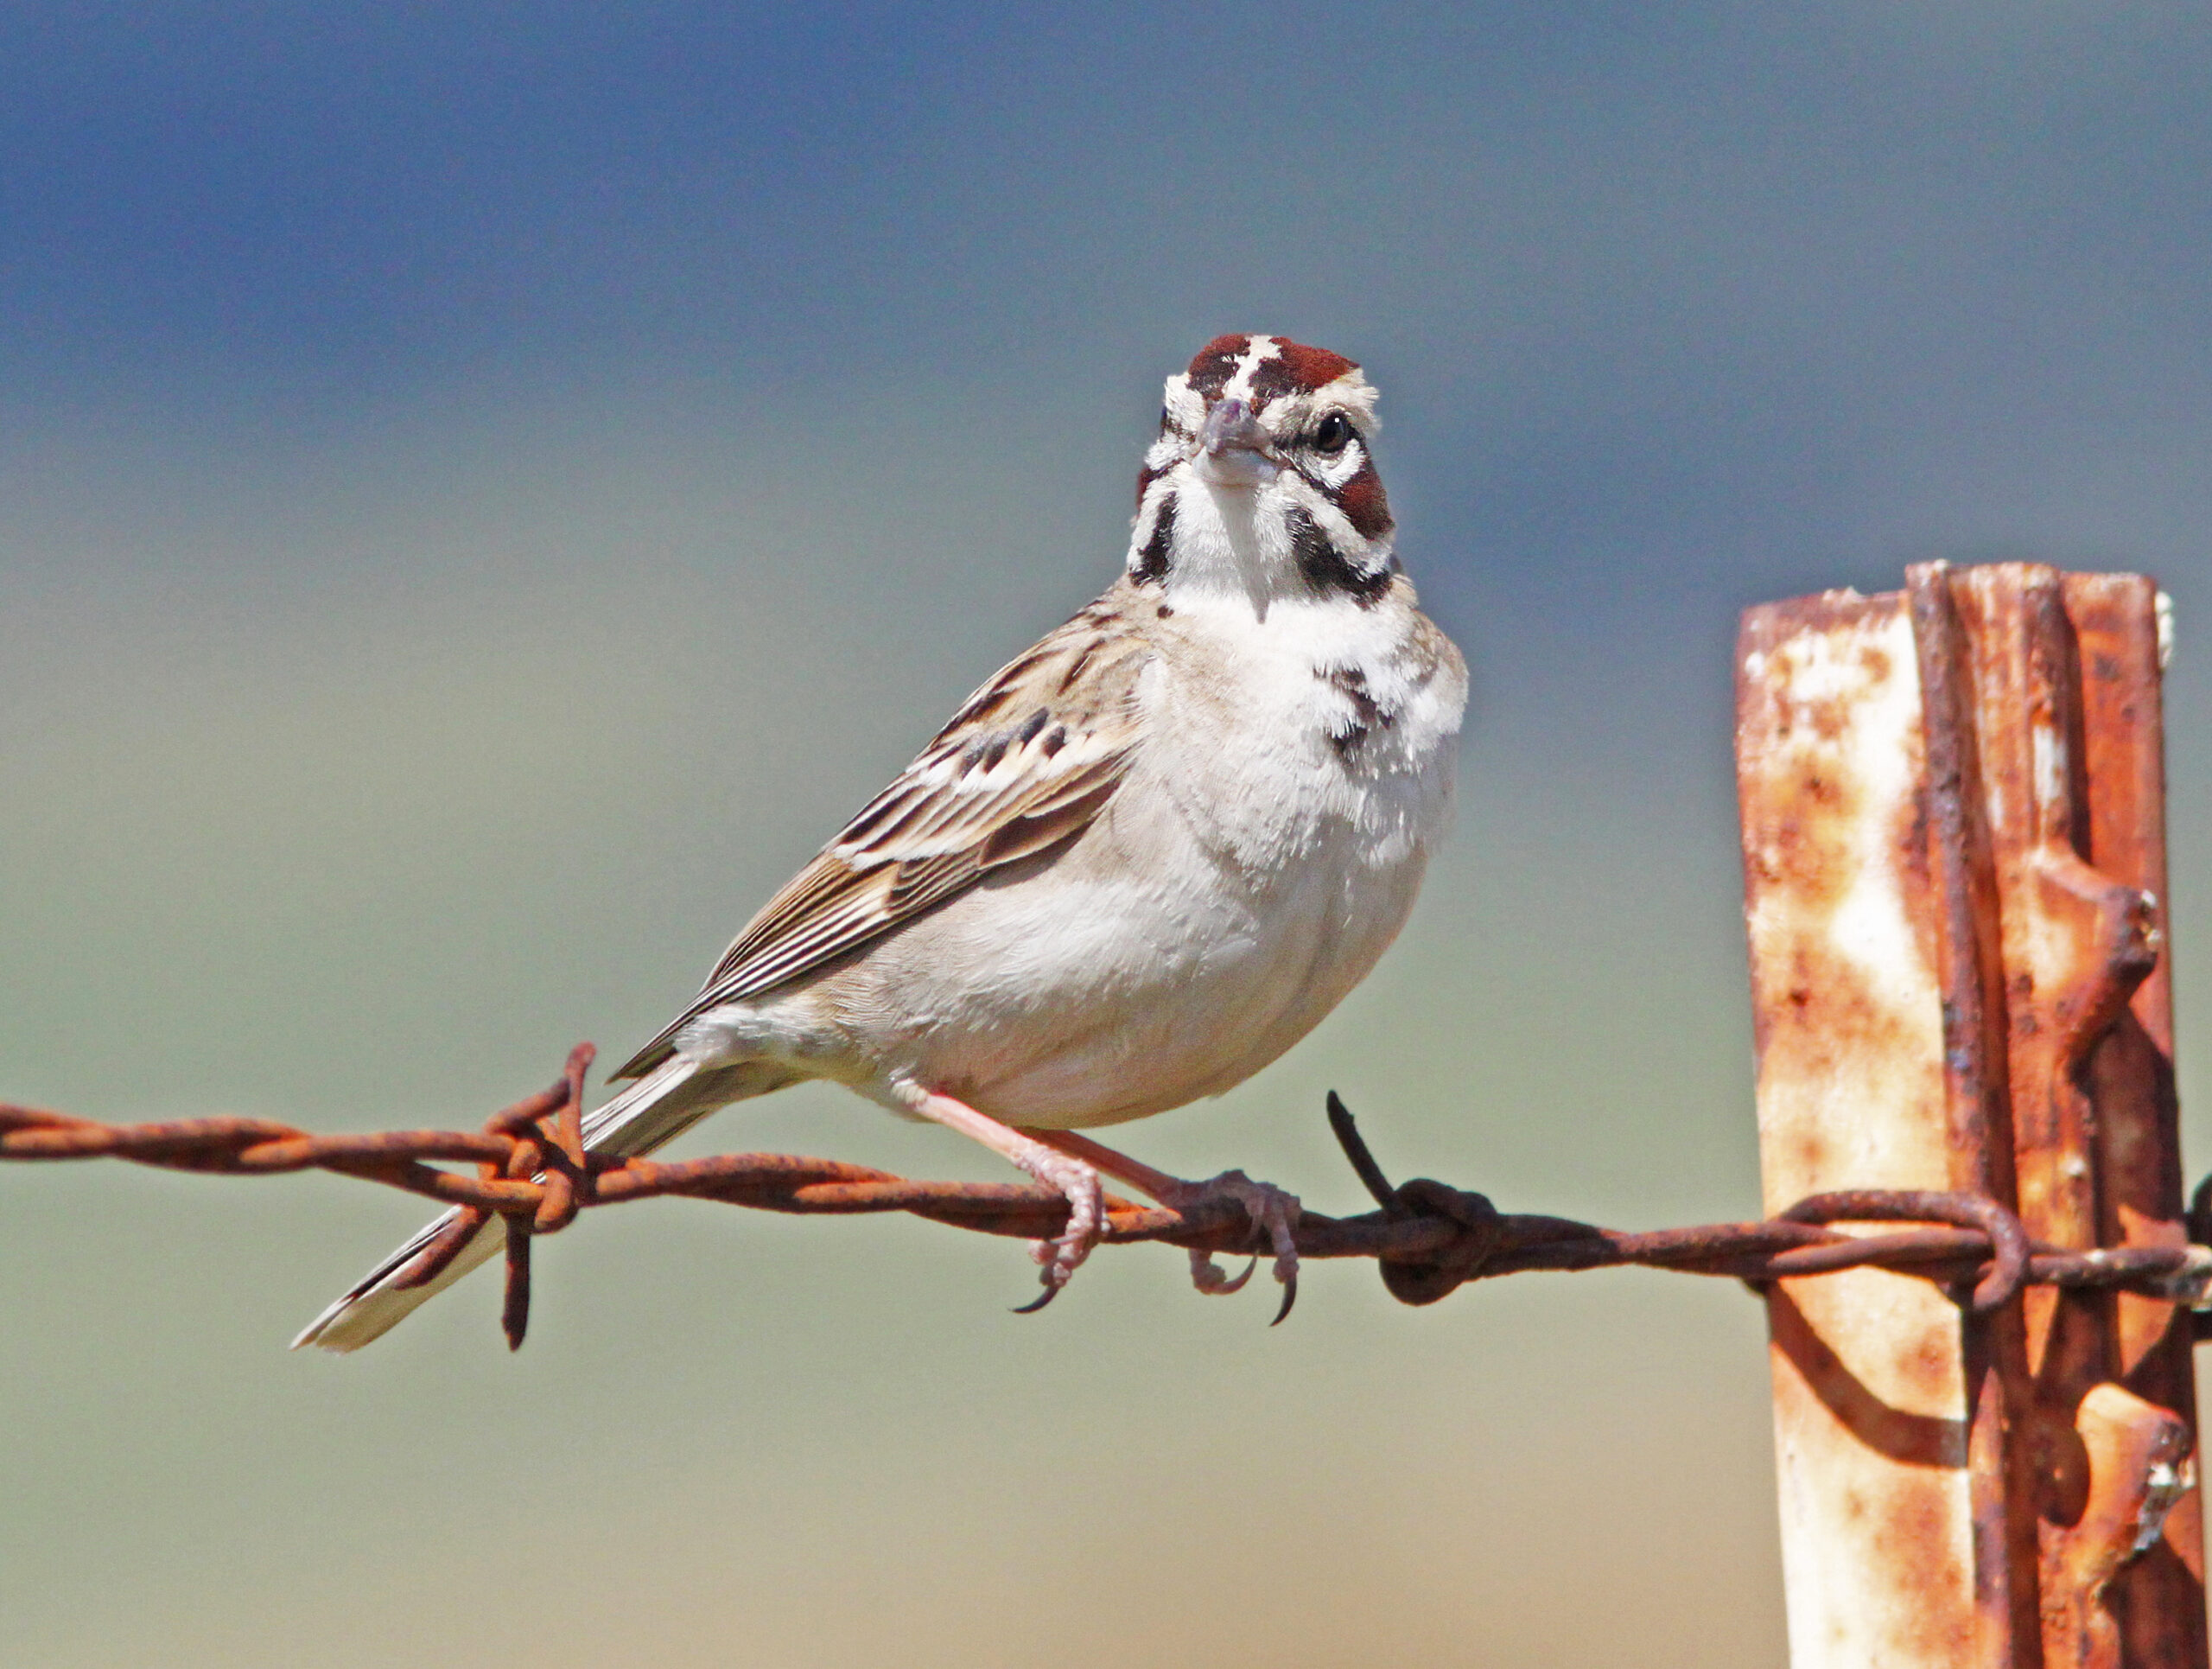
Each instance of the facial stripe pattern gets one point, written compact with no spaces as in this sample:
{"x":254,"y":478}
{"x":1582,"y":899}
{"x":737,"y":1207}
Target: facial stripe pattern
{"x":1317,"y":414}
{"x":1362,"y":501}
{"x":1150,"y":474}
{"x":1150,"y":563}
{"x":1326,"y":566}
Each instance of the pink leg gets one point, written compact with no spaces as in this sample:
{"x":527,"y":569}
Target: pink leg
{"x":1269,"y":1208}
{"x":1074,"y":1178}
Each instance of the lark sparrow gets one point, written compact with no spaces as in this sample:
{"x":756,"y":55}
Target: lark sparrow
{"x":1139,"y":864}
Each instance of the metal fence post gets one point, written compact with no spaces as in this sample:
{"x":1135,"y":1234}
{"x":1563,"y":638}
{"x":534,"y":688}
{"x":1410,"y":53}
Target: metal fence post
{"x":1954,"y":846}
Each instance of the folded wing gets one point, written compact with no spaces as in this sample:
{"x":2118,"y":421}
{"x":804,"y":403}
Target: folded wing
{"x":1023,"y":767}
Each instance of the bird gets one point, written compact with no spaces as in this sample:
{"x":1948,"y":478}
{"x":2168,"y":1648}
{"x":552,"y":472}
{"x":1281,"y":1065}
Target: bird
{"x":1140,"y":863}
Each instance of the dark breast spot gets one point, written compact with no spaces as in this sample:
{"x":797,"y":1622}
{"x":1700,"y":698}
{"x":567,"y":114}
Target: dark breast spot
{"x":1366,"y":715}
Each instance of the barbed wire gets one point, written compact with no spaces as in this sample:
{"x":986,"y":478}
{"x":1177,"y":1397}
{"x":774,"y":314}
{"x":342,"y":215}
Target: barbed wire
{"x":1427,"y":1237}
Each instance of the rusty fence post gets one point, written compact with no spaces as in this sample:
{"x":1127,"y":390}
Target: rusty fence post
{"x":1954,"y":883}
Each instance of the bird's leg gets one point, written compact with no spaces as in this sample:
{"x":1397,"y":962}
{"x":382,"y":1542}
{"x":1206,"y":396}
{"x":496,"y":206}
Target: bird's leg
{"x":1268,"y":1207}
{"x":1069,"y":1172}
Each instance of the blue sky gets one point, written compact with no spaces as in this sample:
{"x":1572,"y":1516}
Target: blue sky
{"x":1699,"y":300}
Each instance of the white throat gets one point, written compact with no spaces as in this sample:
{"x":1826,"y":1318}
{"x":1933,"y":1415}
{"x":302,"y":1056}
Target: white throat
{"x":1218,"y":548}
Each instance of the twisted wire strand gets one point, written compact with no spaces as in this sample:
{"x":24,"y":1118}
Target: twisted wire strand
{"x":531,"y":1169}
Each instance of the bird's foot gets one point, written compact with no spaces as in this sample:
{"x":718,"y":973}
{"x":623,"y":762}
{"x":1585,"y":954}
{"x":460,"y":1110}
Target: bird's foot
{"x":1059,"y":1257}
{"x":1075,"y":1178}
{"x":1271,"y":1211}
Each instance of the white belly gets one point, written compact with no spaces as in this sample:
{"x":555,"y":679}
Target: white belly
{"x":1245,"y":876}
{"x":1105,"y":1001}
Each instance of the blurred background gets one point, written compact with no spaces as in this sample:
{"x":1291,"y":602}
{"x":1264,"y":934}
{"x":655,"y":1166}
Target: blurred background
{"x":486,"y":488}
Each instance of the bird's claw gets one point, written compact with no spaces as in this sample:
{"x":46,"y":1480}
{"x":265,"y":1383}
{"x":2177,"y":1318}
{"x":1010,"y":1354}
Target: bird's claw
{"x":1270,"y":1209}
{"x":1212,"y":1280}
{"x":1060,"y":1257}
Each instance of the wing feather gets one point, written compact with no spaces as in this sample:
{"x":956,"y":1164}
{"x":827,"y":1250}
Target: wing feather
{"x":1025,"y":764}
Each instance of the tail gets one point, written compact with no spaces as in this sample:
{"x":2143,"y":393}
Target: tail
{"x":657,"y":1108}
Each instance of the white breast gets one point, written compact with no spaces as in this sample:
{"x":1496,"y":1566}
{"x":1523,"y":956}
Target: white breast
{"x":1262,"y":852}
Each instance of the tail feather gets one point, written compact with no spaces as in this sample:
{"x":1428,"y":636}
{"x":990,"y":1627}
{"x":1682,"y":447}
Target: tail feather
{"x":373,"y":1306}
{"x":657,"y":1109}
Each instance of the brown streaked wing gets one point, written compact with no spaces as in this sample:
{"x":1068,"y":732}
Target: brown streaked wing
{"x":1025,"y":764}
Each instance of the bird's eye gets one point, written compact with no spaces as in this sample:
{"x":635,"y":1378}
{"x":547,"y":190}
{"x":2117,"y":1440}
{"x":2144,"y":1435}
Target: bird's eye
{"x":1166,"y":423}
{"x":1334,"y":433}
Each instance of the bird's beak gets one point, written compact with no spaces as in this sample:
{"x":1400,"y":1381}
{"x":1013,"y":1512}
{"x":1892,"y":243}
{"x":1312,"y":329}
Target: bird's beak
{"x":1233,"y":449}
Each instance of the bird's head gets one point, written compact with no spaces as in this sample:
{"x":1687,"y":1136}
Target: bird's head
{"x":1262,"y":484}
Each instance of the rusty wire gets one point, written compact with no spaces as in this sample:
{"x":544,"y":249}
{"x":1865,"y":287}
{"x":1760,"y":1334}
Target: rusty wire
{"x":1427,"y":1237}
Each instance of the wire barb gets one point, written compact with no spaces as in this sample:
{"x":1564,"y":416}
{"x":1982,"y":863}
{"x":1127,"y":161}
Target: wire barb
{"x":1356,"y":1150}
